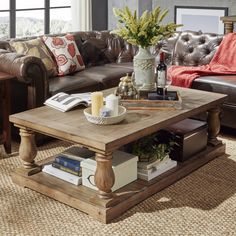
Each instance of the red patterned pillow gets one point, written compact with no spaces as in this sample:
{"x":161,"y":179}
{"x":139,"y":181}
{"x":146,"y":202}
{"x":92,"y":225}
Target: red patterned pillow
{"x":66,"y":53}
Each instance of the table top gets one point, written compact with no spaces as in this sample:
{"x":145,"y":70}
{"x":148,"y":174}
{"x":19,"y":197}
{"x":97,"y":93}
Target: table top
{"x":73,"y":126}
{"x":5,"y":76}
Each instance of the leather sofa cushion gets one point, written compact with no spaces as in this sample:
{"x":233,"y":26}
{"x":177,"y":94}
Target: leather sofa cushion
{"x":109,"y":74}
{"x":225,"y":84}
{"x":123,"y":65}
{"x":75,"y":83}
{"x":228,"y":115}
{"x":91,"y":79}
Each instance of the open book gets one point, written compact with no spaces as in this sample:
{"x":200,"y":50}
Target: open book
{"x":64,"y":102}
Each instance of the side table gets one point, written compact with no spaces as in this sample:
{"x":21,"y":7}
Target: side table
{"x":5,"y":101}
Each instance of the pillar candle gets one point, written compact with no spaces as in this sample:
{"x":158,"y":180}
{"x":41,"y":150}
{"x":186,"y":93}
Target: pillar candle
{"x":112,"y":102}
{"x":97,"y":103}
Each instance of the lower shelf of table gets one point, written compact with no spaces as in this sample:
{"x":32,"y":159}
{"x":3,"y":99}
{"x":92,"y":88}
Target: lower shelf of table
{"x":105,"y":210}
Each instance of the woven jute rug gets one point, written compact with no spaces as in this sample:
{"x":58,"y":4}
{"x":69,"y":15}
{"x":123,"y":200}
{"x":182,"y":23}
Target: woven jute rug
{"x":203,"y":203}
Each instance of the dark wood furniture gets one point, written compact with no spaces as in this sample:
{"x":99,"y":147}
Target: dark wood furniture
{"x":5,"y":100}
{"x":228,"y":23}
{"x":72,"y":126}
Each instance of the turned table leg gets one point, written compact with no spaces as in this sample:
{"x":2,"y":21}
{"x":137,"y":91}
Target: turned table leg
{"x":27,"y":152}
{"x":213,"y":120}
{"x":104,"y":175}
{"x":229,"y":27}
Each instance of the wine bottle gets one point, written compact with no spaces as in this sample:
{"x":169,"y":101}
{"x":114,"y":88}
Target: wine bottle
{"x":161,"y":71}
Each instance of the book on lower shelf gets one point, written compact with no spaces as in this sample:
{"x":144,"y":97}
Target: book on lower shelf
{"x":73,"y":179}
{"x":71,"y":158}
{"x":157,"y":168}
{"x":67,"y":165}
{"x":65,"y":102}
{"x":65,"y":161}
{"x":78,"y":153}
{"x":66,"y":169}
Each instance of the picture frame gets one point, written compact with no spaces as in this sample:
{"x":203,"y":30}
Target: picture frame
{"x":195,"y":18}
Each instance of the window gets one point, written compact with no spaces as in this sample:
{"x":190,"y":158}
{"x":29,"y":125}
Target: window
{"x":19,"y":18}
{"x":60,"y":16}
{"x":4,"y":19}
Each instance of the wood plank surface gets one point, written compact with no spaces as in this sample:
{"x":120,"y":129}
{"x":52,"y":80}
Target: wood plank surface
{"x":73,"y":126}
{"x":105,"y":210}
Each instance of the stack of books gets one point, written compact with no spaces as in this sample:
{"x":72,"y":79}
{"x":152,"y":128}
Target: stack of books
{"x":67,"y":165}
{"x":150,"y":170}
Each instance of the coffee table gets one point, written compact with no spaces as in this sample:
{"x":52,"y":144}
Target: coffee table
{"x":72,"y":126}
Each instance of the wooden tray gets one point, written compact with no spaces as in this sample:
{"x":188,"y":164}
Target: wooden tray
{"x":145,"y":104}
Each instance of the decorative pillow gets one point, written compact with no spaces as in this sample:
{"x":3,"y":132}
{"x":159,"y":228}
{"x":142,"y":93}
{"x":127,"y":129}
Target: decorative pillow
{"x":66,"y":53}
{"x":37,"y":48}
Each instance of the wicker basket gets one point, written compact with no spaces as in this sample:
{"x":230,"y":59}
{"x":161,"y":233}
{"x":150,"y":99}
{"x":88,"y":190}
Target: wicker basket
{"x":105,"y":120}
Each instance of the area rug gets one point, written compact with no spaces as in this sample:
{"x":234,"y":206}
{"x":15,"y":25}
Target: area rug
{"x":203,"y":203}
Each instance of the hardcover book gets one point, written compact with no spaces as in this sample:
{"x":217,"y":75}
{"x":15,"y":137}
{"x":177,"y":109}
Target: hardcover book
{"x":63,"y":168}
{"x":67,"y":162}
{"x":49,"y":169}
{"x":78,"y":153}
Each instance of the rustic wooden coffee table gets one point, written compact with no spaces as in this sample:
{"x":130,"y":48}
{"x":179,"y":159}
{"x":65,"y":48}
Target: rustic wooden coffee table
{"x":72,"y":126}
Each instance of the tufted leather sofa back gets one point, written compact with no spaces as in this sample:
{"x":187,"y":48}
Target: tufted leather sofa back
{"x":185,"y":48}
{"x":195,"y":48}
{"x":112,"y":47}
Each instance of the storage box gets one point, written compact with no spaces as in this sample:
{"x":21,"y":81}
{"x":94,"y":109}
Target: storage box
{"x":124,"y":166}
{"x":191,"y":138}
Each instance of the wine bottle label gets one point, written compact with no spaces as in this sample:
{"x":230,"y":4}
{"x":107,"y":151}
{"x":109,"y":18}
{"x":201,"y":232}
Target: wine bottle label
{"x":161,"y":78}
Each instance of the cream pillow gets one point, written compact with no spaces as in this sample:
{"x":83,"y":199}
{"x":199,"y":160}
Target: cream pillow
{"x":37,"y":48}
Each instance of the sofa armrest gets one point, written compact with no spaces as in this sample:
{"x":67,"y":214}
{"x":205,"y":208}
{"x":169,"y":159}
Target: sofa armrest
{"x":29,"y":70}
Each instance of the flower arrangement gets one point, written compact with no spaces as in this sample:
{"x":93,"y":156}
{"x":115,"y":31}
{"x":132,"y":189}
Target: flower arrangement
{"x":144,"y":31}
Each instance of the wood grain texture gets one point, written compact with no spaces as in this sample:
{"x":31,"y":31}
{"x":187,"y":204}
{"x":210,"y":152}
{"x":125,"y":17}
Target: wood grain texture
{"x":213,"y":122}
{"x":73,"y":126}
{"x":228,"y":23}
{"x":104,"y":176}
{"x":105,"y":210}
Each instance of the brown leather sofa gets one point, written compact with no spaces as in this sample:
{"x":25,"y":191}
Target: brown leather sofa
{"x":197,"y":48}
{"x":107,"y":58}
{"x":100,"y":51}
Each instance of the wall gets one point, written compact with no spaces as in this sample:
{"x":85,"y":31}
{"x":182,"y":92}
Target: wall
{"x":138,"y":5}
{"x":99,"y":14}
{"x":141,"y":5}
{"x":169,"y":4}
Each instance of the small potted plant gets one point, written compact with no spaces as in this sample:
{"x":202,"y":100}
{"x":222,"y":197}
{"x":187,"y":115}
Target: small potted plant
{"x":153,"y":147}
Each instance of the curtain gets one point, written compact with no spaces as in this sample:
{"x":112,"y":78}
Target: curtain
{"x":81,"y":15}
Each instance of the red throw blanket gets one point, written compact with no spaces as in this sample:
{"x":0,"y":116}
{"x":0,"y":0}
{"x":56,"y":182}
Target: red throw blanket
{"x":223,"y":62}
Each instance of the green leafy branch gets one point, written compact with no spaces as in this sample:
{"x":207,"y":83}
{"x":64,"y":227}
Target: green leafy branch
{"x":155,"y":146}
{"x":144,"y":31}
